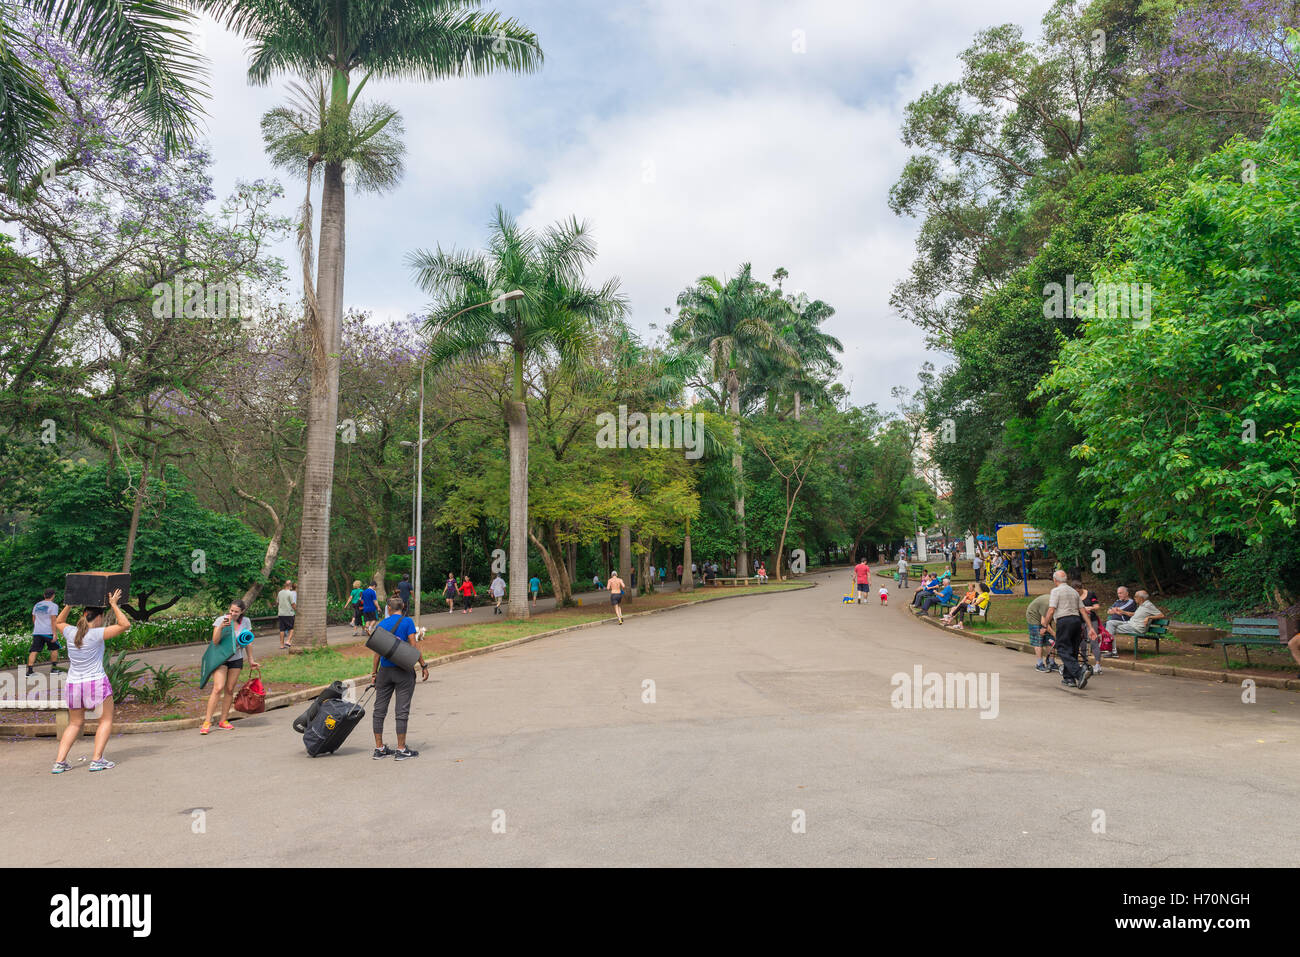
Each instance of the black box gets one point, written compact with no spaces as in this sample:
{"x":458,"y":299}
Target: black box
{"x":91,"y":589}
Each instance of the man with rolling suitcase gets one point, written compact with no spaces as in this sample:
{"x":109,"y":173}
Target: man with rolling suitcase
{"x":390,"y":678}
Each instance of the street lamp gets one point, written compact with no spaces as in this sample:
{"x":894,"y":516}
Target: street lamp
{"x":419,"y":455}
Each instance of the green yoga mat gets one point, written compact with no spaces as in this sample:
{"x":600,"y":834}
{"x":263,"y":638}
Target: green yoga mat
{"x":217,"y":655}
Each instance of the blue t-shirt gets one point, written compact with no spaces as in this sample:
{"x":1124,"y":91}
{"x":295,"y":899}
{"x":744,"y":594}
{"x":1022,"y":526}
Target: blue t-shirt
{"x":534,"y":584}
{"x":945,"y":594}
{"x":401,"y":627}
{"x":368,"y":600}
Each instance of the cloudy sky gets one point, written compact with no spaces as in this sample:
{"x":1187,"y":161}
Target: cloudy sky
{"x":693,"y":135}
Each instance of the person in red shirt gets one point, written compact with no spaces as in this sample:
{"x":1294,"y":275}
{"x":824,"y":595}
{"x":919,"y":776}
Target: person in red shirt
{"x":863,"y":574}
{"x":467,"y":594}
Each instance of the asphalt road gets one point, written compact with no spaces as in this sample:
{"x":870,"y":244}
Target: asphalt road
{"x":768,"y":712}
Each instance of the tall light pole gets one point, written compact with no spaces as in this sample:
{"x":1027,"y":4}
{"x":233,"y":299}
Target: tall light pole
{"x":415,"y":522}
{"x":419,"y":455}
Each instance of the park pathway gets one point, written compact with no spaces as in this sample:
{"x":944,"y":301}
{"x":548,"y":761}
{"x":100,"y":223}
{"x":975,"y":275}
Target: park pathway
{"x":761,"y":730}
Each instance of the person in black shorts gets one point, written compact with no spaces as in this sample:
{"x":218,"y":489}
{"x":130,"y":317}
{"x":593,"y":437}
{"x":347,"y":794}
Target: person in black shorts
{"x":227,"y":673}
{"x":616,"y":595}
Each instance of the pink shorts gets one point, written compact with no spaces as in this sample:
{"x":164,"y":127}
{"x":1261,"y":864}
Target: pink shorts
{"x":88,"y":694}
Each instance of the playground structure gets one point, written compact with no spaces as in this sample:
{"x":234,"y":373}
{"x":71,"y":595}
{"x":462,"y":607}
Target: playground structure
{"x":1015,"y":542}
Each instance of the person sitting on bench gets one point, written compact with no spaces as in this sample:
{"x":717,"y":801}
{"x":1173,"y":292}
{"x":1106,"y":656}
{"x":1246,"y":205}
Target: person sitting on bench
{"x":941,"y":596}
{"x":1137,"y":625}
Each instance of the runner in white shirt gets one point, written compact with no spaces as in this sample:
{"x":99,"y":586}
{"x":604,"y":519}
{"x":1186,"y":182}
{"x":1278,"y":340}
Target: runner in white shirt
{"x":88,"y":687}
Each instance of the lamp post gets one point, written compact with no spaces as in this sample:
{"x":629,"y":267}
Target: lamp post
{"x":419,"y":455}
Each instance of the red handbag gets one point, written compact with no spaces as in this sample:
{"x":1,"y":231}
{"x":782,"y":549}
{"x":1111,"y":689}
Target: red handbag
{"x":252,"y":697}
{"x":1107,"y":639}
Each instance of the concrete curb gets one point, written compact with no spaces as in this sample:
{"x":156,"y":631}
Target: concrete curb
{"x":306,"y":694}
{"x":1125,"y":664}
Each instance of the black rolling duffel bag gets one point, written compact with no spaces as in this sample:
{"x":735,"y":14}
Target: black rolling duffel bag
{"x":334,"y":721}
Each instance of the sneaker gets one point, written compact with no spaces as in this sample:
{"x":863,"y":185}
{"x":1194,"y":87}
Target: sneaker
{"x":1083,"y":679}
{"x":1052,"y":665}
{"x":1067,"y":683}
{"x":225,"y":726}
{"x":1041,"y":667}
{"x":54,"y":668}
{"x":206,"y":728}
{"x":1096,"y":669}
{"x":60,"y":767}
{"x":101,"y":765}
{"x":959,"y":626}
{"x":383,"y":752}
{"x":30,"y":672}
{"x":404,"y":754}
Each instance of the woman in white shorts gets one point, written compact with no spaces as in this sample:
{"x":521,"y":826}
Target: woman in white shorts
{"x":88,"y":687}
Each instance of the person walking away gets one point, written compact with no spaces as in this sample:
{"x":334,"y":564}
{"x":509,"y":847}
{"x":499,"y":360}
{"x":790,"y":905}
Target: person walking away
{"x":498,"y":591}
{"x":1040,"y":636}
{"x":884,"y":595}
{"x":467,"y":594}
{"x":1091,"y":604}
{"x":369,"y":608}
{"x":355,"y":601}
{"x":392,"y":680}
{"x":449,"y":592}
{"x":977,"y":565}
{"x":1065,"y":611}
{"x":863,"y":575}
{"x":534,"y":586}
{"x":902,"y":572}
{"x":88,"y":687}
{"x":227,"y":673}
{"x":43,"y":614}
{"x":616,"y":595}
{"x":404,"y":590}
{"x":286,"y":609}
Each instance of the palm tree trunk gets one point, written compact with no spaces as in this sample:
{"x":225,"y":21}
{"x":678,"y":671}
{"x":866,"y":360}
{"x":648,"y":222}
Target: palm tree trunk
{"x":738,"y":467}
{"x":796,"y":405}
{"x":517,"y":421}
{"x":326,"y":334}
{"x":625,"y":562}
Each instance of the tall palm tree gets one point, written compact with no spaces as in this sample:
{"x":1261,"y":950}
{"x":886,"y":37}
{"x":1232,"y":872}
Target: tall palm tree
{"x":386,"y":39}
{"x":736,"y":323}
{"x":141,"y":47}
{"x":558,"y":313}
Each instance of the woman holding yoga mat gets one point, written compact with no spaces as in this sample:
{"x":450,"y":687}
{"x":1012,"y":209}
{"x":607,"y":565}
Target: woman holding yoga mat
{"x":88,"y":687}
{"x":226,"y":629}
{"x":389,"y":679}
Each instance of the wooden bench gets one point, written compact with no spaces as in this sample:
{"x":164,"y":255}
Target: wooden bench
{"x":1157,"y":628}
{"x":1250,"y":633}
{"x":733,"y":581}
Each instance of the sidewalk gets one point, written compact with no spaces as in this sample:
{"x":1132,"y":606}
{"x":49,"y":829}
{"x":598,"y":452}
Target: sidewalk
{"x":267,"y":644}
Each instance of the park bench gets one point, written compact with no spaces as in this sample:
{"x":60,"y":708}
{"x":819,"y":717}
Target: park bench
{"x":734,"y":581}
{"x":1157,"y":628}
{"x":1250,"y":633}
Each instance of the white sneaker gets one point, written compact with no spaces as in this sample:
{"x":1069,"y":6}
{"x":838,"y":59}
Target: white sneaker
{"x":1096,"y":669}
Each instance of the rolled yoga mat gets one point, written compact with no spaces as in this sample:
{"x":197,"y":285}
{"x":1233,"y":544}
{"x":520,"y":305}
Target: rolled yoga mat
{"x":388,"y":645}
{"x":217,"y":655}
